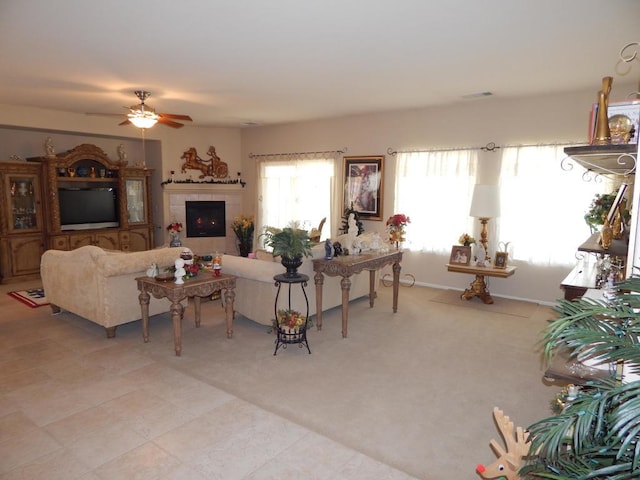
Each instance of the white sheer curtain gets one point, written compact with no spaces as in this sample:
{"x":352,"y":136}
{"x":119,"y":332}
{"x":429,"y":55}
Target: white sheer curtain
{"x":543,"y":206}
{"x":295,"y":189}
{"x":434,"y":189}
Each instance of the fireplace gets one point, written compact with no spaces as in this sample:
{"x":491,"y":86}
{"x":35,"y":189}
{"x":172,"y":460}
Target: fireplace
{"x":205,"y":218}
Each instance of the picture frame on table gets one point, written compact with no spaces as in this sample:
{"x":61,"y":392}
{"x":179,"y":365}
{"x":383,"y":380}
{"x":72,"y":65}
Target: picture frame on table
{"x":363,"y":179}
{"x":500,"y":261}
{"x":460,"y":255}
{"x":630,"y":109}
{"x":616,"y":203}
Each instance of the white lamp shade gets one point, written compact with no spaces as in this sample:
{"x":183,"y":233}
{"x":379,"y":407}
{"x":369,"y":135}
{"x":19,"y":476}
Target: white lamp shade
{"x":485,"y":202}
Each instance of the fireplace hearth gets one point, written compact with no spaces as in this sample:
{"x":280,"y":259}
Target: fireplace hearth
{"x":205,"y":218}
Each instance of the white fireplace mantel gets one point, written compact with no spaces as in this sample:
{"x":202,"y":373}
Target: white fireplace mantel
{"x":176,"y":194}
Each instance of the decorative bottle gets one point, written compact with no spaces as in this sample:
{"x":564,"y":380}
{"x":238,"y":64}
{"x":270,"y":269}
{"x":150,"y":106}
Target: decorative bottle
{"x":606,"y":234}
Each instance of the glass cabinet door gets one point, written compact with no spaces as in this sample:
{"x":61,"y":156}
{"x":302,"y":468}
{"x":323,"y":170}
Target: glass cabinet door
{"x":136,"y":197}
{"x":23,"y":202}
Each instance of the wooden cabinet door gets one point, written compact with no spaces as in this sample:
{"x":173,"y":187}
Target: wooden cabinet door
{"x":139,"y":239}
{"x":77,"y":240}
{"x":25,"y":254}
{"x":108,"y":240}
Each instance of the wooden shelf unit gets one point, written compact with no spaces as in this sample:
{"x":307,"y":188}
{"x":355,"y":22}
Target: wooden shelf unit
{"x":26,"y":231}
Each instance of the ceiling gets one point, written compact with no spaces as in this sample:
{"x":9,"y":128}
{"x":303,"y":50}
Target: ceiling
{"x":257,"y":62}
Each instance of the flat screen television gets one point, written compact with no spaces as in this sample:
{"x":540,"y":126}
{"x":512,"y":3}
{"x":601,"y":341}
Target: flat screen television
{"x":88,"y":208}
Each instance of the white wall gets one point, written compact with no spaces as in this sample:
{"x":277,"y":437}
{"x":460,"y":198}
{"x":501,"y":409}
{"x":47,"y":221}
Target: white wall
{"x":473,"y":123}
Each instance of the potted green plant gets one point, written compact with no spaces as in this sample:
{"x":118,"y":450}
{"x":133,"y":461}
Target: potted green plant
{"x":597,"y":433}
{"x":291,"y":243}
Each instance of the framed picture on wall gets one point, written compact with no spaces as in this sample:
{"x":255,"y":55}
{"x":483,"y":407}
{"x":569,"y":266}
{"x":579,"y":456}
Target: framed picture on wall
{"x":363,"y":186}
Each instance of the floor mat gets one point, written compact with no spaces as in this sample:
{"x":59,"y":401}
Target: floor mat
{"x":501,"y":305}
{"x":33,"y":297}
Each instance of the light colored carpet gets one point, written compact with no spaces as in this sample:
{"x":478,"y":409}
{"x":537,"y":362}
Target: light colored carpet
{"x":504,"y":306}
{"x":415,"y":389}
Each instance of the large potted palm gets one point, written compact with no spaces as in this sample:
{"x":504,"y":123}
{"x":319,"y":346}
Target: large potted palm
{"x":291,"y":243}
{"x":597,"y":433}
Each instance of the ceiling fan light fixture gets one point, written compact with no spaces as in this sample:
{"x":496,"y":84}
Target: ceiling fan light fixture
{"x":144,"y":119}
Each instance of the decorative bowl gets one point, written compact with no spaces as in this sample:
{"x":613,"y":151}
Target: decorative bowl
{"x":165,"y":277}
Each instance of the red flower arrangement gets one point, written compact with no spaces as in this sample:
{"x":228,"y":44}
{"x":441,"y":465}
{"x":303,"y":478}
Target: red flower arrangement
{"x":396,"y":224}
{"x":173,"y":228}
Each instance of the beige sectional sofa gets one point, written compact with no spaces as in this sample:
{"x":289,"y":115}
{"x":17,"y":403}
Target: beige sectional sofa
{"x":99,"y":285}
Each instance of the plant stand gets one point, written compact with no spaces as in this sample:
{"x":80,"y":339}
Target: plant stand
{"x":284,"y":335}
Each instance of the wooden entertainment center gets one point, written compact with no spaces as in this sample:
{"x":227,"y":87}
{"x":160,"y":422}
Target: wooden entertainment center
{"x":32,"y":220}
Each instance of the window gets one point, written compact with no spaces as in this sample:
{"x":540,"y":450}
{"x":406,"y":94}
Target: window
{"x":296,"y":190}
{"x":434,"y":189}
{"x":543,"y":206}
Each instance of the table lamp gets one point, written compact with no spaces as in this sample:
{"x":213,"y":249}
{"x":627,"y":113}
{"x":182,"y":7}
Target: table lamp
{"x":485,"y":204}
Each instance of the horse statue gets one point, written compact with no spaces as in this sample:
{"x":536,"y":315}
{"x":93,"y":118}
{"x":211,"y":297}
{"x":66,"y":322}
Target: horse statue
{"x":214,"y":167}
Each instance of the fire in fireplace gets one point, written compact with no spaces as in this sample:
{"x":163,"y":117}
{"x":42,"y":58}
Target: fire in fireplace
{"x":206,"y":218}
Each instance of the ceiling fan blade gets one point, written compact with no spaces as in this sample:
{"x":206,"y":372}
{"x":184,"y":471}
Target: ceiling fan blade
{"x":176,"y":116}
{"x":169,"y":123}
{"x":105,"y":114}
{"x":126,"y":122}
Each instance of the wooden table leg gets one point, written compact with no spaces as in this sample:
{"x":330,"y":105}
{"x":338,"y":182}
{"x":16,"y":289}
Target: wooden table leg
{"x":345,"y":283}
{"x":478,"y":288}
{"x":196,"y":309}
{"x":319,"y":279}
{"x":229,"y":296}
{"x":396,"y":285}
{"x":372,"y":287}
{"x":144,"y":307}
{"x":177,"y":310}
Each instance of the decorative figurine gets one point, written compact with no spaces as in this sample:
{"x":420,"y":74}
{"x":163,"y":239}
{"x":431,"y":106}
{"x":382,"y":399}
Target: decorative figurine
{"x":180,"y":271}
{"x":337,"y":249}
{"x":352,"y":232}
{"x":327,"y":250}
{"x":122,"y":155}
{"x":481,"y":256}
{"x":152,"y":271}
{"x":48,"y":147}
{"x":510,"y":461}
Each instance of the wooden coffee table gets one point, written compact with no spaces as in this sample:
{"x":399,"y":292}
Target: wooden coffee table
{"x":201,"y":286}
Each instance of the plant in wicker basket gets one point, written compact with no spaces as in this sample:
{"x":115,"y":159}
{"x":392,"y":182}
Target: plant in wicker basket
{"x":290,"y":320}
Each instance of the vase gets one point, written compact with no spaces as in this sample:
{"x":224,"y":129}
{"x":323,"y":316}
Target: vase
{"x":175,"y":240}
{"x":606,"y":235}
{"x":291,"y":264}
{"x":244,"y":248}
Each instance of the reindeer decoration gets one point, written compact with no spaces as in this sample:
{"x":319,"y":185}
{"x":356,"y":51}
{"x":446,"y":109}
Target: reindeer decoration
{"x":509,"y":462}
{"x":210,"y":168}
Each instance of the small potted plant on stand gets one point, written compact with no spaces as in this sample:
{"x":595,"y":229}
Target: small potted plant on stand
{"x":291,"y":243}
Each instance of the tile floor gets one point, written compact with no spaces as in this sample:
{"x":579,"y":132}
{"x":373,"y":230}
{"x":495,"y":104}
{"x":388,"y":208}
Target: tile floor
{"x":74,"y":405}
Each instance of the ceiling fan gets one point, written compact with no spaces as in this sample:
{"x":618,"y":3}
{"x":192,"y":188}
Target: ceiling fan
{"x":144,"y":116}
